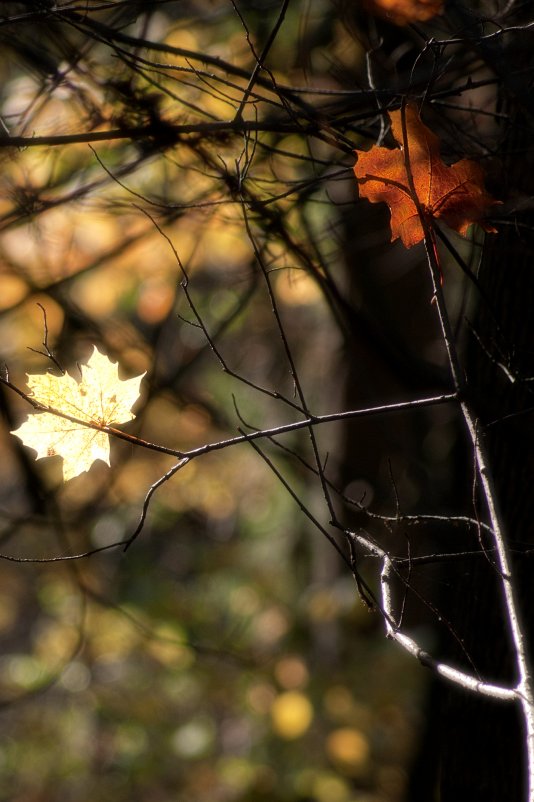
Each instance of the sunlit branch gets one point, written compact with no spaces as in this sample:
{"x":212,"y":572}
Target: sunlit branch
{"x":447,"y":672}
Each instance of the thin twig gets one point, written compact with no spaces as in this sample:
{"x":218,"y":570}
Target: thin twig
{"x":219,"y":445}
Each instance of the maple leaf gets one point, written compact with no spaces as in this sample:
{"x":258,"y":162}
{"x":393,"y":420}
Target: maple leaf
{"x":100,"y":397}
{"x":452,"y":193}
{"x":401,"y":12}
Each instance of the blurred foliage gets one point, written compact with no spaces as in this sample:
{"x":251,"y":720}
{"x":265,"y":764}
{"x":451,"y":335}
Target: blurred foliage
{"x":226,"y":655}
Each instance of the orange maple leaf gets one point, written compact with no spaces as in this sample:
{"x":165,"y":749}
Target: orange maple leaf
{"x":454,"y":194}
{"x":401,"y":12}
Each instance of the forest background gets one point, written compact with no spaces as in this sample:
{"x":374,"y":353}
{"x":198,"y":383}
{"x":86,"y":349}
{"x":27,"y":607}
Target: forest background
{"x":177,"y":189}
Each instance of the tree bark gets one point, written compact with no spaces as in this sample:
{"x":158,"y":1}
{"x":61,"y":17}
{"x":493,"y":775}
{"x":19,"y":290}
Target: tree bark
{"x":483,"y":752}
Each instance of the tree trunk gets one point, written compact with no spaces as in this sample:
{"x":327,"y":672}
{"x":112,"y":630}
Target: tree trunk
{"x":483,"y":751}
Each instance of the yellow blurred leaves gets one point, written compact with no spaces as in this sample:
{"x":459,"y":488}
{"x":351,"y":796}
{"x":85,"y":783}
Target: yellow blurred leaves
{"x":297,"y":288}
{"x":291,"y":672}
{"x":325,"y":786}
{"x":111,"y":635}
{"x":291,"y":715}
{"x":349,"y":749}
{"x":168,"y":646}
{"x":14,"y":289}
{"x":341,"y":705}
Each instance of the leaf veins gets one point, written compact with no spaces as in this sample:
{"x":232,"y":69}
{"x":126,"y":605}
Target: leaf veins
{"x":100,"y":398}
{"x":454,"y":194}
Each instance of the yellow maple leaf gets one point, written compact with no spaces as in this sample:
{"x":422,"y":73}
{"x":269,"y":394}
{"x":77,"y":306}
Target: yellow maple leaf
{"x":100,"y":397}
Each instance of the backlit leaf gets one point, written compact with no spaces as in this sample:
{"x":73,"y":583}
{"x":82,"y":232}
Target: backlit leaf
{"x":452,"y":193}
{"x":402,"y":12}
{"x":100,"y":397}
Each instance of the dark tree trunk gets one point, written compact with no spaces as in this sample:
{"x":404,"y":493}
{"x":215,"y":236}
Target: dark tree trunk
{"x":483,"y":741}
